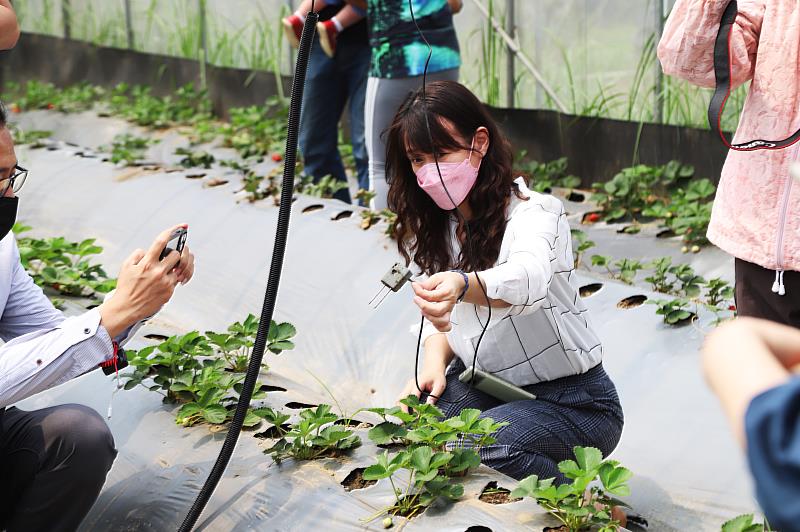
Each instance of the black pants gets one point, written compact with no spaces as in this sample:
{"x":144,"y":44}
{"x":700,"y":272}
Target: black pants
{"x":754,"y":296}
{"x":53,"y":463}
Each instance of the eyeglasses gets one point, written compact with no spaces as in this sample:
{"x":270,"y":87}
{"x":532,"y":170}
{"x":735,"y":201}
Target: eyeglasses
{"x":14,"y":182}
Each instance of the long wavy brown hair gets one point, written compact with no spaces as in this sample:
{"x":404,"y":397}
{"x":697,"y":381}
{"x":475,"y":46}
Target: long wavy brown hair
{"x":422,"y":228}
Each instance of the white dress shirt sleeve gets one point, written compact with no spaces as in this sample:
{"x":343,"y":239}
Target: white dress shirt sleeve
{"x":43,"y":348}
{"x":524,"y":278}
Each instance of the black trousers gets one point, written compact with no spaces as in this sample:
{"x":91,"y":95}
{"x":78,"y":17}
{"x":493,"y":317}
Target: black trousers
{"x":53,"y":463}
{"x":754,"y":296}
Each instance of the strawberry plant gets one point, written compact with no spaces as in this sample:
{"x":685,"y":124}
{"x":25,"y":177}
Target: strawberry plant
{"x":626,"y":268}
{"x":193,"y":159}
{"x":660,"y":278}
{"x":64,"y":266}
{"x":127,"y":148}
{"x":236,"y":345}
{"x":463,"y":435}
{"x":674,"y":311}
{"x":586,"y":502}
{"x":745,"y":523}
{"x":33,"y":137}
{"x":543,"y":177}
{"x":424,"y":482}
{"x":325,"y":187}
{"x":315,"y":435}
{"x":580,"y":245}
{"x":205,"y":373}
{"x":657,"y":192}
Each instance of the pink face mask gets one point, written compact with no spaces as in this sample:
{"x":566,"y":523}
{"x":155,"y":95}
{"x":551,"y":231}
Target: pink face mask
{"x":459,"y":178}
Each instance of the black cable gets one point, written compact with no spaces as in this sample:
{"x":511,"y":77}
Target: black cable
{"x":463,"y":221}
{"x":254,"y":367}
{"x":724,"y":81}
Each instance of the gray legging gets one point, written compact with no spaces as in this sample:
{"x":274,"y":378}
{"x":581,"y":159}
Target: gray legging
{"x":384,"y":96}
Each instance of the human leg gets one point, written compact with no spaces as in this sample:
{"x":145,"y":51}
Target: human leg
{"x":458,"y":395}
{"x":54,"y":463}
{"x":754,"y":296}
{"x":323,"y":102}
{"x":581,"y":410}
{"x":354,"y":63}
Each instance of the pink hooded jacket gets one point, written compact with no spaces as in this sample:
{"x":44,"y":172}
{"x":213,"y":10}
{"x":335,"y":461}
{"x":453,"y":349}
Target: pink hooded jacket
{"x":756,"y":214}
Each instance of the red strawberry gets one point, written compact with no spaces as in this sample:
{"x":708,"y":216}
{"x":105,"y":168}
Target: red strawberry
{"x":51,"y":106}
{"x":277,"y":157}
{"x":15,"y":108}
{"x":732,"y":308}
{"x":593,"y":217}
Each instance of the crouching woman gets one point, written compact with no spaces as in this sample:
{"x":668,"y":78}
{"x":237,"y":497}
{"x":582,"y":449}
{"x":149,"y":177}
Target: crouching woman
{"x":497,"y":256}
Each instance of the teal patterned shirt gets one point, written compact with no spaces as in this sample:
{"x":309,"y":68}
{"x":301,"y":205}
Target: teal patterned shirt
{"x":398,"y":51}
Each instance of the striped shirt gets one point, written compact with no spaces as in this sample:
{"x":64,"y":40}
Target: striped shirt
{"x":43,"y":347}
{"x":545,"y":334}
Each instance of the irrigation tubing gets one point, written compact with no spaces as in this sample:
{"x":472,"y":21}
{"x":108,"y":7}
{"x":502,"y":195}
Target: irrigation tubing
{"x":254,"y":368}
{"x":724,"y":80}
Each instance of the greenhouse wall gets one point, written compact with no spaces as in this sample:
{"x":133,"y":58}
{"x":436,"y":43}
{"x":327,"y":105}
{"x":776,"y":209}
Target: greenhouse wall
{"x":544,"y":135}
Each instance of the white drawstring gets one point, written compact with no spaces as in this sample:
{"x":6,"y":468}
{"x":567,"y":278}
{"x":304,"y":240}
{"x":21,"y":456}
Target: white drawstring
{"x":778,"y":287}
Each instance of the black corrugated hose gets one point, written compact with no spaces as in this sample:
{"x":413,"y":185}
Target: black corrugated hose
{"x":276,"y":266}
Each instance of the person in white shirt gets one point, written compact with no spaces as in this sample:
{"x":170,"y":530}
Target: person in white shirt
{"x":54,"y":461}
{"x":515,"y":250}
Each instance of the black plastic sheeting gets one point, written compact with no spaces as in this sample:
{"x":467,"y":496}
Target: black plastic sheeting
{"x":689,"y":473}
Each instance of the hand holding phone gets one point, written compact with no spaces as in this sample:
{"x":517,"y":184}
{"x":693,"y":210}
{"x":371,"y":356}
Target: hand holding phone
{"x":176,"y":242}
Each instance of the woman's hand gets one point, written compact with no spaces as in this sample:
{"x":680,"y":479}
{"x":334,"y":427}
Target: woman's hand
{"x":433,"y":382}
{"x":437,"y":295}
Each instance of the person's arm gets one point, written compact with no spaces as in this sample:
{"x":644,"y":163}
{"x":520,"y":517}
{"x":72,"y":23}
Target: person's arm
{"x":686,"y":49}
{"x":432,"y":380}
{"x":743,"y":359}
{"x":9,"y":27}
{"x":52,"y":350}
{"x":520,"y":284}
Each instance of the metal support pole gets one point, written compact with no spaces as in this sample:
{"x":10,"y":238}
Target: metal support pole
{"x":201,"y":6}
{"x":514,"y":48}
{"x":290,"y":52}
{"x":129,"y":24}
{"x":510,"y":75}
{"x":658,"y":114}
{"x":65,"y":9}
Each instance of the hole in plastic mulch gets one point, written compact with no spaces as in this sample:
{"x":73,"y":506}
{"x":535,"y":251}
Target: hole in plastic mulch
{"x":590,"y":289}
{"x":270,"y":388}
{"x":353,"y":423}
{"x":632,"y":302}
{"x":272,"y":433}
{"x":158,"y":337}
{"x":342,"y":215}
{"x":313,"y":208}
{"x":355,"y":480}
{"x":494,"y":494}
{"x":576,"y":197}
{"x":296,"y":405}
{"x":666,"y":233}
{"x":216,"y":182}
{"x":478,"y":528}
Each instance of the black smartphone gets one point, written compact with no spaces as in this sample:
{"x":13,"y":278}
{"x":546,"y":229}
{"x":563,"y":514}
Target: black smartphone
{"x":175,"y":243}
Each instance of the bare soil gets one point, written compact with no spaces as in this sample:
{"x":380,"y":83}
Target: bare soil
{"x":590,"y":289}
{"x":632,"y":302}
{"x":492,"y":494}
{"x":355,"y":480}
